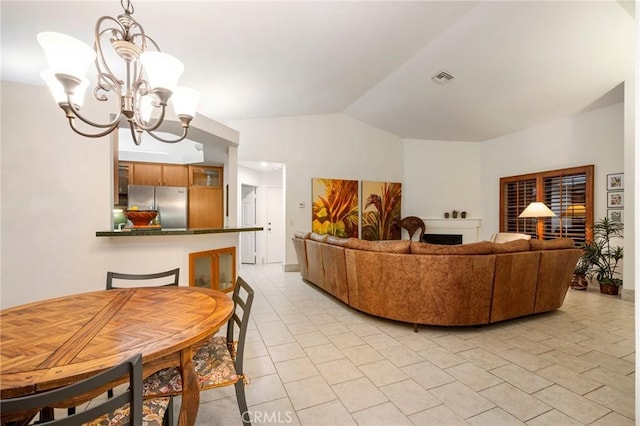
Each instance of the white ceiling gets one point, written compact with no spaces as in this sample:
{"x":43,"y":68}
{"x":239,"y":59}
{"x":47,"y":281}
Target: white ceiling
{"x":516,"y":63}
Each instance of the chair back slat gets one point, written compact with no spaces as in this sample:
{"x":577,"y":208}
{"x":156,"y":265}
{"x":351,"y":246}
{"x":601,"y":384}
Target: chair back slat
{"x":133,"y":395}
{"x":167,"y":278}
{"x":243,"y":322}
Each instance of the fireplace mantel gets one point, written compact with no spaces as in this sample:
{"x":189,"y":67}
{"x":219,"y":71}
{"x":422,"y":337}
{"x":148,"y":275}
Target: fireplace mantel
{"x":469,"y":228}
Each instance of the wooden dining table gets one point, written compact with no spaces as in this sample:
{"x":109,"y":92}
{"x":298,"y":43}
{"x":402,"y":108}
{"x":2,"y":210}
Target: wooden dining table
{"x":52,"y":343}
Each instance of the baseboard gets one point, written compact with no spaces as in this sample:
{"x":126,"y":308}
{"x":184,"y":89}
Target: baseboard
{"x":293,"y":267}
{"x":626,"y":294}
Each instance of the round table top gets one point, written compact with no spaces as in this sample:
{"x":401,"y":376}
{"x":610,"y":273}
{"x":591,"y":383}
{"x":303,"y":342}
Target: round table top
{"x":56,"y":342}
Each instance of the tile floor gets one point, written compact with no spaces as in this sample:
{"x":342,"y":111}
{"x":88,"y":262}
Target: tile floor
{"x":314,"y":361}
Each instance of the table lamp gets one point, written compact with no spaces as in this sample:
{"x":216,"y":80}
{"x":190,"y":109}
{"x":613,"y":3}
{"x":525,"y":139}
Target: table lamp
{"x":537,"y":210}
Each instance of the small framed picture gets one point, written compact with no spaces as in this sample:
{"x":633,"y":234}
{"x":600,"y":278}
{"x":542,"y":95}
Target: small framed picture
{"x":615,"y":199}
{"x":615,"y":182}
{"x":616,"y":215}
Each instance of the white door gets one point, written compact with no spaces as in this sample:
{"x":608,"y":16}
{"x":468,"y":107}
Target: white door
{"x":275,"y":225}
{"x":248,"y":244}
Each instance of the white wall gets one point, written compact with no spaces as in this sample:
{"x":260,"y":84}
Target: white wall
{"x":56,"y":193}
{"x":595,"y":137}
{"x":328,"y":146}
{"x":441,"y":176}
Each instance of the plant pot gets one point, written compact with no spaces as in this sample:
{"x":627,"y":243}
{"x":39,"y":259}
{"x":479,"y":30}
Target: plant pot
{"x":579,"y":282}
{"x":608,"y":287}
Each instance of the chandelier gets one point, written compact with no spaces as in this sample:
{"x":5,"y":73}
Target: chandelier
{"x":146,"y":82}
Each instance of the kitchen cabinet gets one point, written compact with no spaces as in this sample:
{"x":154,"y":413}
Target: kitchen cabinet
{"x":205,"y":207}
{"x":121,"y":184}
{"x":213,"y":269}
{"x":160,"y":174}
{"x":207,"y":176}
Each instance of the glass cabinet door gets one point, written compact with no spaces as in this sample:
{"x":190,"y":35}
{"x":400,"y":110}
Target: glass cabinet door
{"x":206,"y":176}
{"x":201,"y":274}
{"x":226,"y":270}
{"x":214,"y":269}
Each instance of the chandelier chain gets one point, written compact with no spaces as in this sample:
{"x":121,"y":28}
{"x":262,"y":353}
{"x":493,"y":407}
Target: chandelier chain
{"x":128,"y":9}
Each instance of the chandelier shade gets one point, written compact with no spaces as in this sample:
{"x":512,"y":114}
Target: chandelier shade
{"x":146,"y":81}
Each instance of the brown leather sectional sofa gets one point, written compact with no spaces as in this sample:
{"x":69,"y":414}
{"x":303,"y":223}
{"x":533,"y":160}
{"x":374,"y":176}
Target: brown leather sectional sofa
{"x":419,"y":283}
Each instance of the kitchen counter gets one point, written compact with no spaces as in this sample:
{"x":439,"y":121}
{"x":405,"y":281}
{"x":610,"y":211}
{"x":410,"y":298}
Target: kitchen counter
{"x":195,"y":231}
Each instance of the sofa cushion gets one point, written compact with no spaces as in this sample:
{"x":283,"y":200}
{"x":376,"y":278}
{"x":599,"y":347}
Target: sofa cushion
{"x":337,"y":241}
{"x":301,"y":234}
{"x":505,"y":237}
{"x":511,"y":247}
{"x":392,"y":246}
{"x":555,"y":244}
{"x":482,"y":247}
{"x":321,"y":238}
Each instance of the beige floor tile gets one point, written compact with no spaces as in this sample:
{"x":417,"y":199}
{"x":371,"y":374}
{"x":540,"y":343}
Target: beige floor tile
{"x":293,"y":318}
{"x":578,"y":383}
{"x":529,"y":345}
{"x":380,"y":341}
{"x":613,"y":419}
{"x":323,"y":353}
{"x":299,"y":328}
{"x":259,"y":366}
{"x":462,"y":400}
{"x":314,"y":338}
{"x":440,"y":415}
{"x":571,"y":404}
{"x":332,"y":328}
{"x":516,"y":402}
{"x":381,"y":415}
{"x":222,"y":412}
{"x":279,"y":337}
{"x":614,"y":400}
{"x":490,"y":344}
{"x":453,"y":343}
{"x":483,"y":358}
{"x":494,"y":417}
{"x":620,"y":382}
{"x":401,"y":356}
{"x":255,"y":349}
{"x":362,"y":354}
{"x":570,"y":362}
{"x":263,"y":389}
{"x":416,"y":342}
{"x":383,"y":372}
{"x":321,"y":319}
{"x":277,"y":412}
{"x":609,"y":362}
{"x":521,"y":378}
{"x":329,"y":413}
{"x":309,"y":392}
{"x":526,"y":360}
{"x":618,"y":349}
{"x":359,"y":394}
{"x":428,"y":375}
{"x":441,"y":357}
{"x":346,"y":340}
{"x":553,"y":418}
{"x":286,"y":351}
{"x":296,"y":369}
{"x":473,"y":376}
{"x":338,"y":371}
{"x":409,"y":396}
{"x":566,"y":346}
{"x":364,"y":329}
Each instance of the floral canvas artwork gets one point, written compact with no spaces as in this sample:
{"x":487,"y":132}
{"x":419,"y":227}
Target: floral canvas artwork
{"x":335,"y":207}
{"x":381,"y":210}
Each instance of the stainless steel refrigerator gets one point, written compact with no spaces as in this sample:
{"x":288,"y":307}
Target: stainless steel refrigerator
{"x":169,"y":201}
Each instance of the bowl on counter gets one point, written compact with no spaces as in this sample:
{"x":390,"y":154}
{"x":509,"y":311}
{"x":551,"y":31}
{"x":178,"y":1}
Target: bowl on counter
{"x":141,"y":217}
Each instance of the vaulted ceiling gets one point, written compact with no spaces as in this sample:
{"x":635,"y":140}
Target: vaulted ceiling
{"x":515,"y":64}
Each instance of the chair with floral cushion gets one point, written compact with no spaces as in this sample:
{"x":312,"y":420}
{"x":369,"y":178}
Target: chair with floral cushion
{"x":125,"y":408}
{"x":219,"y":362}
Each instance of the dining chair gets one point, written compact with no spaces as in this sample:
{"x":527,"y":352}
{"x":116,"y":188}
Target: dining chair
{"x":219,"y":362}
{"x":413,"y":224}
{"x":128,"y":407}
{"x":167,"y":278}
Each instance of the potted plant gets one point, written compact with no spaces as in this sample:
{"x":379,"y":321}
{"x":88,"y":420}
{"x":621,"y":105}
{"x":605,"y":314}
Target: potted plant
{"x":603,"y":257}
{"x":579,"y":278}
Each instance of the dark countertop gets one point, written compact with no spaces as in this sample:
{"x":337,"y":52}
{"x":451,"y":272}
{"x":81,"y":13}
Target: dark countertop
{"x":195,"y":231}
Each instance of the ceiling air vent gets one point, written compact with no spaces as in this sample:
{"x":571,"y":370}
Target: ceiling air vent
{"x":443,"y":77}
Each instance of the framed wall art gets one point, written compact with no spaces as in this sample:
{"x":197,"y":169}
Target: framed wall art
{"x":615,"y":182}
{"x":616,"y":215}
{"x":381,"y":204}
{"x":615,"y":199}
{"x":335,"y":207}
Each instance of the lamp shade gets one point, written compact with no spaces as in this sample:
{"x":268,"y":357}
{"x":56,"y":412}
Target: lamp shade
{"x":185,"y":100}
{"x":537,"y":209}
{"x":65,"y":54}
{"x":575,"y":210}
{"x":58,"y":91}
{"x":163,"y":71}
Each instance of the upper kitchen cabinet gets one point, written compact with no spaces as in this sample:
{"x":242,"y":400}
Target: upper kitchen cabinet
{"x":205,"y":176}
{"x":160,"y":174}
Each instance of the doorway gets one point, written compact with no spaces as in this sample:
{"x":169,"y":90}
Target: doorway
{"x":248,"y":243}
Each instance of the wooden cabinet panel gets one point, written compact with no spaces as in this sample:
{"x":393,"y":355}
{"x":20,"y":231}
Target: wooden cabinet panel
{"x":147,"y":174}
{"x":214,"y":269}
{"x":175,"y":175}
{"x":205,"y":207}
